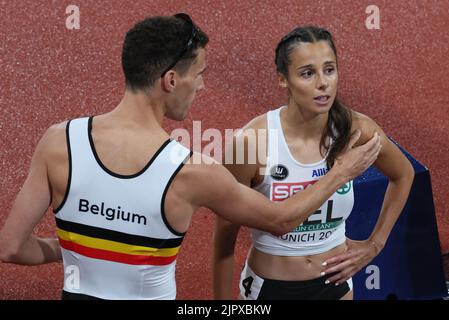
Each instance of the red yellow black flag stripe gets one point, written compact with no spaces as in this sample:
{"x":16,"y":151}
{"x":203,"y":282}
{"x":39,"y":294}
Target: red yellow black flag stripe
{"x":108,"y":248}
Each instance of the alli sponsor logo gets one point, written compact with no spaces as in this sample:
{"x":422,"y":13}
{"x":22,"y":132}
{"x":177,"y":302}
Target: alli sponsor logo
{"x":344,"y":189}
{"x":319,"y":172}
{"x":283,"y":190}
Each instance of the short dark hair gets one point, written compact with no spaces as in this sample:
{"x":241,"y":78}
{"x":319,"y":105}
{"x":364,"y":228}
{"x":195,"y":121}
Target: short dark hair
{"x":152,"y":45}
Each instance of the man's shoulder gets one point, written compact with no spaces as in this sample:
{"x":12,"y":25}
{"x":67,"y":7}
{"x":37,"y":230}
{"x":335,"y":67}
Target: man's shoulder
{"x":201,"y":180}
{"x":201,"y":164}
{"x":203,"y":169}
{"x":55,"y":133}
{"x":54,"y":140}
{"x":58,"y":128}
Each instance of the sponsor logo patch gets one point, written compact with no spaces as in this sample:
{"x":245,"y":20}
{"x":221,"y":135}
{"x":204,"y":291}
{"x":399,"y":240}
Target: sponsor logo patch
{"x":344,"y":189}
{"x":279,"y":172}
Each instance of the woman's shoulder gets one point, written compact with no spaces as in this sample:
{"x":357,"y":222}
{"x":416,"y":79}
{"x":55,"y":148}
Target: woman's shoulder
{"x":359,"y":118}
{"x":366,"y":125}
{"x":252,"y":139}
{"x":249,"y":135}
{"x":259,"y":122}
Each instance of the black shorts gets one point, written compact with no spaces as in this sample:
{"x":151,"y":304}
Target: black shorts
{"x":253,"y":287}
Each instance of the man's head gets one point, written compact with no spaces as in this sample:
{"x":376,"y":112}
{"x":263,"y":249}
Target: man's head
{"x":165,"y":48}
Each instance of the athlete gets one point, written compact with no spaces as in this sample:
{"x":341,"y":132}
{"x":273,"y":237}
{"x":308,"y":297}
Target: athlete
{"x":314,"y":260}
{"x":123,"y":192}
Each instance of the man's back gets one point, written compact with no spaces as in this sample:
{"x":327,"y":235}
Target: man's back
{"x":111,"y":226}
{"x":122,"y":147}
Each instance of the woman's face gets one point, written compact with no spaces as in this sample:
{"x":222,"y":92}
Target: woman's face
{"x":312,"y":77}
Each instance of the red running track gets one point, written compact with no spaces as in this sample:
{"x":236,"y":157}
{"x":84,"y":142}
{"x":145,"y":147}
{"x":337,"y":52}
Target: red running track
{"x":396,"y":75}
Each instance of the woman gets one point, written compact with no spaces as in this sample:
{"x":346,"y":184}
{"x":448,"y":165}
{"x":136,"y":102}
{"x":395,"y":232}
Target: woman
{"x":316,"y":260}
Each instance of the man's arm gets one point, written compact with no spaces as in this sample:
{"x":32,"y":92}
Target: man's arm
{"x":17,"y":245}
{"x":218,"y":190}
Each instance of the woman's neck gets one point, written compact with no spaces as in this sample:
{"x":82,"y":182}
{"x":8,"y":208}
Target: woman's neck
{"x":302,"y":124}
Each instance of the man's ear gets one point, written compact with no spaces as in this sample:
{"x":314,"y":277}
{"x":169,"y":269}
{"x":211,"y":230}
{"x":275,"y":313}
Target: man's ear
{"x":168,"y":81}
{"x":283,"y":83}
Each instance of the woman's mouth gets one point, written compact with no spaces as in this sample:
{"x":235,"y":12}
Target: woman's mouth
{"x":322,"y":100}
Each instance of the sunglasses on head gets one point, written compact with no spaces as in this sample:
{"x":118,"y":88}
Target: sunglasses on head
{"x":189,"y":43}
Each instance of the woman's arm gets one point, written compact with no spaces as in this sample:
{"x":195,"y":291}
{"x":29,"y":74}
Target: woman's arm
{"x":225,"y":236}
{"x":246,"y":206}
{"x":226,"y":232}
{"x":399,"y":171}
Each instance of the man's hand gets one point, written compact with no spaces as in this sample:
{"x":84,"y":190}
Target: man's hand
{"x":353,"y":161}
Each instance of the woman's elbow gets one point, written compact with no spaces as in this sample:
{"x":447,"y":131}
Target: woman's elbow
{"x":409,"y":174}
{"x":405,"y":176}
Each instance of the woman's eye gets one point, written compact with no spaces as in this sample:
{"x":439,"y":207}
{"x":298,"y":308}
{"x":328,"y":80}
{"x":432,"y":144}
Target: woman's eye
{"x":306,"y":74}
{"x":329,"y":70}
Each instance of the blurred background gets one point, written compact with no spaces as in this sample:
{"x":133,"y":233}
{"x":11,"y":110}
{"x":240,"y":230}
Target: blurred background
{"x":396,"y":75}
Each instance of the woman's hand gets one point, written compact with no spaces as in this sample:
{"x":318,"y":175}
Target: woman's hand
{"x":357,"y":255}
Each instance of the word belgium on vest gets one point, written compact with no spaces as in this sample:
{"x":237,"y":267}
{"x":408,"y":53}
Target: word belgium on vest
{"x":110,"y":213}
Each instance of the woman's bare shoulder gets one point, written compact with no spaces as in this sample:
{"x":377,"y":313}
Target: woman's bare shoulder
{"x":366,"y":125}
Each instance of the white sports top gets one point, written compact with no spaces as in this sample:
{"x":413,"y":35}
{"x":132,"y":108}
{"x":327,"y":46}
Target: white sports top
{"x":115,"y":240}
{"x":284,"y":176}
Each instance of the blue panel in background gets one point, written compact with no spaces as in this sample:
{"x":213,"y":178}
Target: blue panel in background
{"x":410,"y":265}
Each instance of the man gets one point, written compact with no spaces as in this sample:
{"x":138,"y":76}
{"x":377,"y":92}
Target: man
{"x":124,"y":193}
